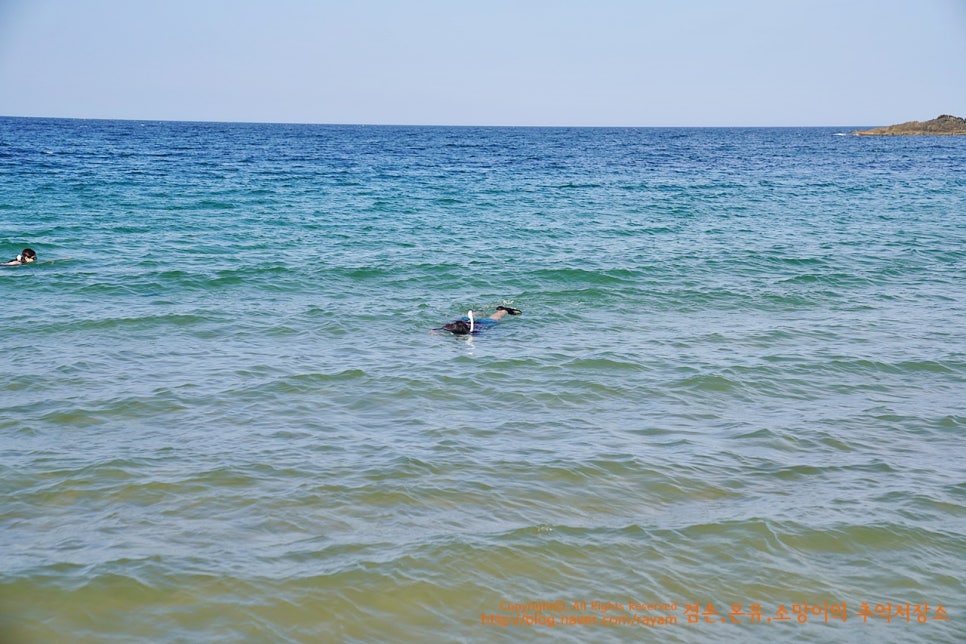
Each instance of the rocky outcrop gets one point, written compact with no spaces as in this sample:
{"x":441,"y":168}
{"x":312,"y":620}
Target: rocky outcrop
{"x":944,"y":124}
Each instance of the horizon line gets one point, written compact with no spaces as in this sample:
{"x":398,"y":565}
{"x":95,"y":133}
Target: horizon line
{"x":434,"y":125}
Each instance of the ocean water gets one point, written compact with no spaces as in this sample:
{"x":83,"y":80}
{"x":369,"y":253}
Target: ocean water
{"x":737,"y":390}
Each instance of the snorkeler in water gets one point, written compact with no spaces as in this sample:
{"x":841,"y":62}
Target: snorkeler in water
{"x":471,"y":325}
{"x":26,"y":256}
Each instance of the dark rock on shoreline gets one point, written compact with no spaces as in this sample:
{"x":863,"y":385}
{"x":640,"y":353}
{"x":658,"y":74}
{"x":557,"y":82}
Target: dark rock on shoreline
{"x":944,"y":124}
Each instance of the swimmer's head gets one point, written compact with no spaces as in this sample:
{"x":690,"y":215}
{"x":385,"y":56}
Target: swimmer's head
{"x":27,"y":255}
{"x":457,"y":327}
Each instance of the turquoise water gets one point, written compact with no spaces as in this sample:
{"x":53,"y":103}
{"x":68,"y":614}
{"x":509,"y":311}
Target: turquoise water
{"x":739,"y":378}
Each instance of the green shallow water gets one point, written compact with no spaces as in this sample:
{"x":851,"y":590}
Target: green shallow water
{"x":738,"y":379}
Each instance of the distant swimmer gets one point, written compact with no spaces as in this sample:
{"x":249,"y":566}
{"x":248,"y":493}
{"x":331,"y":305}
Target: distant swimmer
{"x":26,"y":256}
{"x":469,"y":324}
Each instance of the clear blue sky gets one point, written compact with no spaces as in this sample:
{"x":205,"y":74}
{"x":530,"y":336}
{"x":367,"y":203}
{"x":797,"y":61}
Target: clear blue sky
{"x":486,"y":62}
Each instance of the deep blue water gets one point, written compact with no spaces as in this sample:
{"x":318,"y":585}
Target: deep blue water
{"x":738,"y":378}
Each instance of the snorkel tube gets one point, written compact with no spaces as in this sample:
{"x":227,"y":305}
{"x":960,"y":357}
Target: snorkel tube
{"x":469,"y":314}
